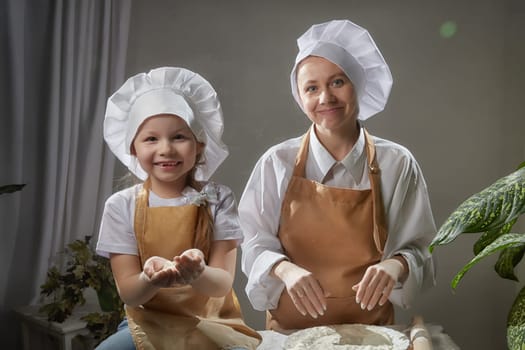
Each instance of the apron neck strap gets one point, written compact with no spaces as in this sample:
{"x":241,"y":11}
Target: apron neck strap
{"x":302,"y":155}
{"x":374,"y":174}
{"x":373,"y":166}
{"x":141,"y":204}
{"x":300,"y":160}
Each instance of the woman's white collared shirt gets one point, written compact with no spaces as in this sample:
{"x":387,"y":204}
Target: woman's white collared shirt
{"x":408,"y":212}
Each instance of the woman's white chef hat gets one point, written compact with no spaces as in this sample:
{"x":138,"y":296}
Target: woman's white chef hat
{"x":351,"y":48}
{"x":166,"y":90}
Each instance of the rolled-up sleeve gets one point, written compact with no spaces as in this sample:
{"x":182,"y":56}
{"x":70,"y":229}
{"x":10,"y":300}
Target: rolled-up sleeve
{"x":259,"y":212}
{"x":411,"y":228}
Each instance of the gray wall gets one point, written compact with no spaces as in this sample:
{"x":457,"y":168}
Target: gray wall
{"x":455,"y":104}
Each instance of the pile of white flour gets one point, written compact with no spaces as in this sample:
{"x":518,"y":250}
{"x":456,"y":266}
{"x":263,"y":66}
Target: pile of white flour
{"x":347,"y":337}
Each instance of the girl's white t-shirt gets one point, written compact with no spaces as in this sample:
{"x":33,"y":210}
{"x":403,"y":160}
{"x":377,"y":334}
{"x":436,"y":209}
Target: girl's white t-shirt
{"x":117,"y":234}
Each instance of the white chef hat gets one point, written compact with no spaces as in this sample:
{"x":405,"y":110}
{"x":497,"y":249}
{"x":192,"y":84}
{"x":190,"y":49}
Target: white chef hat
{"x":166,"y":90}
{"x":351,"y":48}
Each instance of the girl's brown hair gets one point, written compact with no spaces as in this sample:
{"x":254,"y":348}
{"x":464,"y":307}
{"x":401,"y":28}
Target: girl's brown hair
{"x":204,"y":229}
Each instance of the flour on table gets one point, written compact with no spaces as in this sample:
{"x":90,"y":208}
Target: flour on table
{"x":347,"y":337}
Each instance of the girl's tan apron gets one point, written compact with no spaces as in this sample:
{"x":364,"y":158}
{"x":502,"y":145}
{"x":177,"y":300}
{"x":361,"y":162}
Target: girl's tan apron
{"x":335,"y":233}
{"x":179,"y":317}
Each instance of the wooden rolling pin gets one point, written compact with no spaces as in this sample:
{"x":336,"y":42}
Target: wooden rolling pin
{"x":419,"y":337}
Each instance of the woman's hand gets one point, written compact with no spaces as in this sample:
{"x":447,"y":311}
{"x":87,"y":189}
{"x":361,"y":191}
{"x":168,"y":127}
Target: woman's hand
{"x":160,"y":272}
{"x":190,"y":265}
{"x":378,"y":282}
{"x":303,"y":288}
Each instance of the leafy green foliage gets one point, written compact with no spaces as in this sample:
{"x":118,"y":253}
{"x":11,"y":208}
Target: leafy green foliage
{"x":84,"y":269}
{"x":500,"y":203}
{"x":11,"y":188}
{"x":508,"y":240}
{"x":516,"y":323}
{"x":491,"y":235}
{"x":508,"y":259}
{"x":493,"y":212}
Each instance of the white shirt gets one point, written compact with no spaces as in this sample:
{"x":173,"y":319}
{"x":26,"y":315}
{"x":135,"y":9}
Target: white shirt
{"x":117,"y":234}
{"x":410,"y":222}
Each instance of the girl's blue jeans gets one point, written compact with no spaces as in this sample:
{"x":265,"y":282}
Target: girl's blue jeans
{"x":122,"y":340}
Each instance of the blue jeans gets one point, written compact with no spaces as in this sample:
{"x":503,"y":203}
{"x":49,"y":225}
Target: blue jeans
{"x":122,"y":340}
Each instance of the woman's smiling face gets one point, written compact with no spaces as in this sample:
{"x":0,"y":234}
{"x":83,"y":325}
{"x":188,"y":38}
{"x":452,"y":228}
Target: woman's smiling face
{"x":327,"y":94}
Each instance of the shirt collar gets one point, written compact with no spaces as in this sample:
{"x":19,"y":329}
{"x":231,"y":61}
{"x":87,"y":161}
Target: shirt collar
{"x":321,"y":156}
{"x":182,"y":200}
{"x":353,"y":161}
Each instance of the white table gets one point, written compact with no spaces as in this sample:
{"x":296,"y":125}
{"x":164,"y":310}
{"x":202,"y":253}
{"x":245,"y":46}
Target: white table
{"x":38,"y":333}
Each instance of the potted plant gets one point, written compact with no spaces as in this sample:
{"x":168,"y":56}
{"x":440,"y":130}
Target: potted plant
{"x":493,"y":212}
{"x":84,"y":269}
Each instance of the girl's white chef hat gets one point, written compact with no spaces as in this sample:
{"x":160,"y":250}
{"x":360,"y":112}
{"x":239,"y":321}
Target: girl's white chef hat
{"x":166,"y":90}
{"x":351,"y":48}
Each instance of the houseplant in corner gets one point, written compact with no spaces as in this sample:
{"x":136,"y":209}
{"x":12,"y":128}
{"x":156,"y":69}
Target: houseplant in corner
{"x":493,"y":212}
{"x":84,"y":269}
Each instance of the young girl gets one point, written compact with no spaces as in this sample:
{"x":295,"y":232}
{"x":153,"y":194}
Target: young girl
{"x":172,"y":240}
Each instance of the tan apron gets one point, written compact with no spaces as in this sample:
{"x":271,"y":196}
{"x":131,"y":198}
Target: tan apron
{"x":179,"y":317}
{"x":335,"y":233}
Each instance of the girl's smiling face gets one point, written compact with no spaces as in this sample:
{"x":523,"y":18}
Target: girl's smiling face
{"x":167,"y":150}
{"x":327,"y":95}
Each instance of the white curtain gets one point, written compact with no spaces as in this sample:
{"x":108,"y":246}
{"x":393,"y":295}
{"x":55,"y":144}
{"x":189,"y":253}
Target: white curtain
{"x":60,"y":60}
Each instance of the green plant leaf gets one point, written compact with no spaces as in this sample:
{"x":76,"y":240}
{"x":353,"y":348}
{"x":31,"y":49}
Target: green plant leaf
{"x":84,"y":269}
{"x":56,"y":311}
{"x":52,"y":282}
{"x":490,"y":236}
{"x":11,"y":188}
{"x":106,"y":297}
{"x":103,"y":324}
{"x":516,"y":323}
{"x":488,"y":210}
{"x":508,"y":240}
{"x":507,"y":261}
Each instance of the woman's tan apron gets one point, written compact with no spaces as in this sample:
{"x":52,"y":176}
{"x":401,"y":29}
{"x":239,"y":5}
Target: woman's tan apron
{"x":179,"y":317}
{"x":335,"y":233}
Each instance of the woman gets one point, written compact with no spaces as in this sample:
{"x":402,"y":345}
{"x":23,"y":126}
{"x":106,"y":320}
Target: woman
{"x":337,"y":222}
